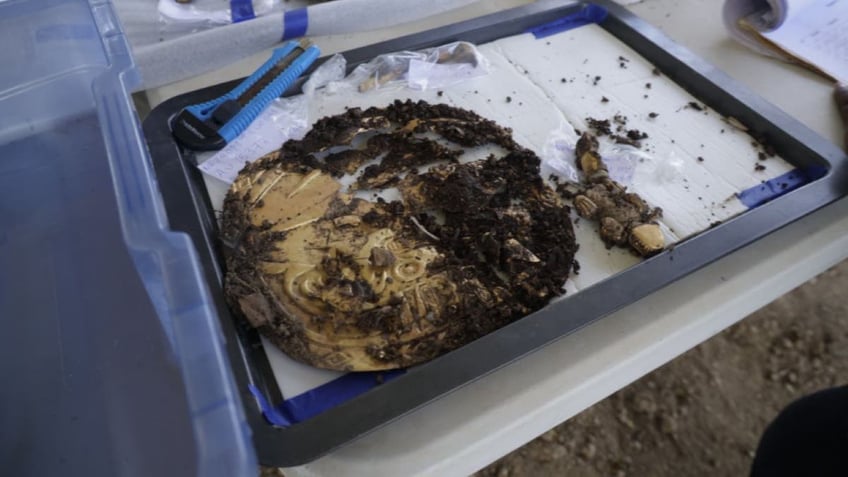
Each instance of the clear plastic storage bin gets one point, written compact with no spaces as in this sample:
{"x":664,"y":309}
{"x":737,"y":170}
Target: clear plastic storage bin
{"x":98,"y":378}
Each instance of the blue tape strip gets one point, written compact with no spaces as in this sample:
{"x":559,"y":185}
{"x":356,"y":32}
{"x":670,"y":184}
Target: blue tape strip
{"x":241,"y":10}
{"x":782,"y":184}
{"x":315,"y":401}
{"x":589,"y":14}
{"x":295,"y":23}
{"x":274,"y":417}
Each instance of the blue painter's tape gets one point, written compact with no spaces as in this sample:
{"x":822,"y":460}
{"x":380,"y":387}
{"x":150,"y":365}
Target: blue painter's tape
{"x":782,"y":184}
{"x":241,"y":10}
{"x":295,"y":23}
{"x":274,"y":417}
{"x":315,"y":401}
{"x":589,"y":14}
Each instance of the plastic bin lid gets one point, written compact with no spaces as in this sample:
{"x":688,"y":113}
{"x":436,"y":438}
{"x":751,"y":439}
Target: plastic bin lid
{"x":111,"y":356}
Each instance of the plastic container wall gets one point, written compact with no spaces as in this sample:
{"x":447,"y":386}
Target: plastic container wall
{"x":111,"y":356}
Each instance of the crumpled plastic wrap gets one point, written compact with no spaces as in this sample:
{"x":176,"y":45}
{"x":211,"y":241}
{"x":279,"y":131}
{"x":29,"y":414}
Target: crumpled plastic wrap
{"x":623,"y":160}
{"x":330,"y":71}
{"x":558,"y":153}
{"x":665,"y":170}
{"x":426,"y":69}
{"x":627,"y":165}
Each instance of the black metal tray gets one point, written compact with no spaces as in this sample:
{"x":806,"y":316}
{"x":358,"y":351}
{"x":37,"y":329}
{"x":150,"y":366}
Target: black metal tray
{"x":189,"y":210}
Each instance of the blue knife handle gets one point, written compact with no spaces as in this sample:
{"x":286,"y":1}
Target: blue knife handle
{"x":281,"y":83}
{"x":241,"y":120}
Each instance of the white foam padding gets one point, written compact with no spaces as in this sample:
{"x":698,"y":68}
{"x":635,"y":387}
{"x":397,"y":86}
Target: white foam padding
{"x":539,"y":86}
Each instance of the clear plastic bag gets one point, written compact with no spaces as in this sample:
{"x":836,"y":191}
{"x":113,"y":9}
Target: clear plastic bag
{"x":426,"y":69}
{"x":622,"y":161}
{"x":627,"y":165}
{"x":658,"y":170}
{"x":330,"y":72}
{"x":558,"y":153}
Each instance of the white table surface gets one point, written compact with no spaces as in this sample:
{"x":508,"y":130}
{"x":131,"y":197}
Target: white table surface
{"x":476,"y":425}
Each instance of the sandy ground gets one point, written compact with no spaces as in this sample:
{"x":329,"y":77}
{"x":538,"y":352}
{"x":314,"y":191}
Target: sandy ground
{"x":703,"y":413}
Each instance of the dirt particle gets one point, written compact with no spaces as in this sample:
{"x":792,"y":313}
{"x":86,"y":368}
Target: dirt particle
{"x":600,"y":126}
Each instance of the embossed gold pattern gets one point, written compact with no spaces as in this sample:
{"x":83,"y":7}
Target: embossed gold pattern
{"x":345,"y":283}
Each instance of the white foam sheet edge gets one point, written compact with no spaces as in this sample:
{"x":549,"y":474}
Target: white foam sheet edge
{"x":538,"y":87}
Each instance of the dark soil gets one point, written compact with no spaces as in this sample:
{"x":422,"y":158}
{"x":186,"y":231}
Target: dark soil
{"x":620,"y":134}
{"x":703,"y":413}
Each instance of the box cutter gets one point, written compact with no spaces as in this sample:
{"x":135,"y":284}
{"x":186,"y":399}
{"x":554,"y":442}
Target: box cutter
{"x":211,"y":125}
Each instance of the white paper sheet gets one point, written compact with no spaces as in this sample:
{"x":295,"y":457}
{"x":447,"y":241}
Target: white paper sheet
{"x":818,"y":34}
{"x":814,"y":31}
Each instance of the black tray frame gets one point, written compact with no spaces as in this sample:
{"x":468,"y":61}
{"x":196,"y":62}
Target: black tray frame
{"x":189,"y":210}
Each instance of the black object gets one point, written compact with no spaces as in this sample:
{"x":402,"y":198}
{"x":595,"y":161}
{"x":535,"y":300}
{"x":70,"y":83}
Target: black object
{"x":200,"y":135}
{"x":189,"y":210}
{"x":808,"y":437}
